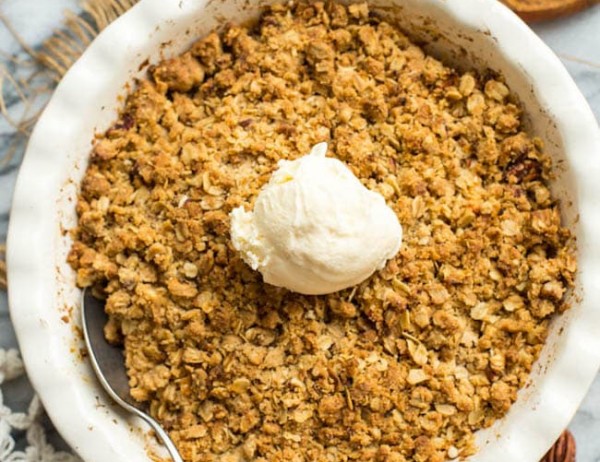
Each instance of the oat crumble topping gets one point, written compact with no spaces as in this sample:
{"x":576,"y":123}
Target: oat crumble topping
{"x":404,"y":367}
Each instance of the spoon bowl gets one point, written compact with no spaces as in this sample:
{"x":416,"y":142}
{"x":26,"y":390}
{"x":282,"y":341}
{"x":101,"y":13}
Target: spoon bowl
{"x":109,"y":365}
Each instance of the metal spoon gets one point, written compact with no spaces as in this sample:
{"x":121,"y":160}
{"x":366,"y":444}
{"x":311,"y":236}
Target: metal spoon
{"x":109,"y":366}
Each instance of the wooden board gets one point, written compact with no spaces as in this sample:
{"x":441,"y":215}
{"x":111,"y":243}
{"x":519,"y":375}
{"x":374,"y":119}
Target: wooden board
{"x":542,"y":10}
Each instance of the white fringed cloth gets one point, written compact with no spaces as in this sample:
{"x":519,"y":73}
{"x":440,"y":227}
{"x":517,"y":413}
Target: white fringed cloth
{"x":11,"y":423}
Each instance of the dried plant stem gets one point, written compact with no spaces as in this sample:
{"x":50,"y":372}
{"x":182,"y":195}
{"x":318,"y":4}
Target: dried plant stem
{"x":6,"y":77}
{"x":103,"y":12}
{"x":2,"y":267}
{"x":61,"y":50}
{"x":16,"y":35}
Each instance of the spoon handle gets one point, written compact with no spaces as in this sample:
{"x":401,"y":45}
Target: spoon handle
{"x":164,"y":437}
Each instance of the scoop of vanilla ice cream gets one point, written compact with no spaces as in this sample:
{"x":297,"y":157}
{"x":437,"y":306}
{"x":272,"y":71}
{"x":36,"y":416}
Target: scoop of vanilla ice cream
{"x":315,"y":229}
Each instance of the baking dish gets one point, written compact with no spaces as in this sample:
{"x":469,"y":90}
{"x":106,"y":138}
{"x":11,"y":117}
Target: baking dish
{"x":466,"y":33}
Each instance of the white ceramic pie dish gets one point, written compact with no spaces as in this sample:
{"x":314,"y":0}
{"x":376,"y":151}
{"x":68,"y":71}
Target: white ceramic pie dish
{"x":44,"y":300}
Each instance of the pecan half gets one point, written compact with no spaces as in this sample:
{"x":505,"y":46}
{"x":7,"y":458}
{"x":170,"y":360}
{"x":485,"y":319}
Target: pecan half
{"x":563,"y":450}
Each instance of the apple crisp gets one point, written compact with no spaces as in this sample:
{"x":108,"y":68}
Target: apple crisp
{"x":404,"y":367}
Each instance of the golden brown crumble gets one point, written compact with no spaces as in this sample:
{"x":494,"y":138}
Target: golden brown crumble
{"x":404,"y":367}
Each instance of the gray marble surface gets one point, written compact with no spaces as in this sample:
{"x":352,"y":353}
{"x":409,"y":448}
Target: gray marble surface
{"x":576,"y":40}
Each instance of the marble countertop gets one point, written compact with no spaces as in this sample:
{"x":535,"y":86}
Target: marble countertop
{"x":576,"y":40}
